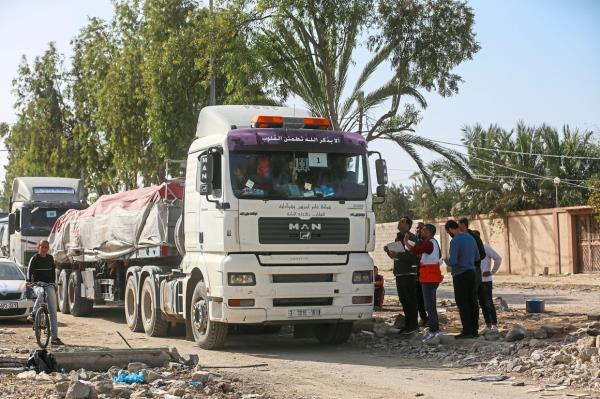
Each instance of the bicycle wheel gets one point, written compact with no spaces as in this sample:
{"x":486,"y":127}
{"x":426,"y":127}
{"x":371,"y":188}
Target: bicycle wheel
{"x":42,"y":327}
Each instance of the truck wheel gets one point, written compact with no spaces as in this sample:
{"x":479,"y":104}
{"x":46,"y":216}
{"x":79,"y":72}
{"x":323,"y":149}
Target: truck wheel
{"x":154,"y":324}
{"x":334,"y":333}
{"x":207,"y":334}
{"x":133,"y":315}
{"x":78,"y":305}
{"x":62,"y":286}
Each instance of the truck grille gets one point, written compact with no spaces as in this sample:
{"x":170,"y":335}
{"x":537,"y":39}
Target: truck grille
{"x":298,"y":231}
{"x":303,"y":278}
{"x":282,"y":302}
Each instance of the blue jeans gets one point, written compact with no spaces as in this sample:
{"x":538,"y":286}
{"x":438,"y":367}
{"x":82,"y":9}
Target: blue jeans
{"x":52,"y":308}
{"x":430,"y":298}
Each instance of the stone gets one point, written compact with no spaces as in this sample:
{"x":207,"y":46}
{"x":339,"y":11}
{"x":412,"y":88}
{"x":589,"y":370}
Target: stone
{"x":151,"y":376}
{"x":78,"y":390}
{"x":586,"y":354}
{"x":492,"y":335}
{"x":202,"y":376}
{"x":392,"y":332}
{"x":136,"y":367}
{"x":104,"y":387}
{"x":173,"y":366}
{"x":43,"y":376}
{"x":121,"y":392}
{"x":209,"y":390}
{"x":61,"y":387}
{"x":26,"y":375}
{"x":553,"y":329}
{"x":113,"y":371}
{"x":561,"y":358}
{"x":598,"y":341}
{"x":224,"y":386}
{"x":380,"y":329}
{"x":176,"y":391}
{"x":516,"y":333}
{"x":586,"y":342}
{"x":540,"y":333}
{"x":537,"y":355}
{"x":141,"y":394}
{"x":400,"y":322}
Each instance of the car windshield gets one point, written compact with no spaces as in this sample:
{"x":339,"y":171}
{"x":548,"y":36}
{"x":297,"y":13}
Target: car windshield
{"x":10,"y":271}
{"x":298,"y":175}
{"x":39,"y":221}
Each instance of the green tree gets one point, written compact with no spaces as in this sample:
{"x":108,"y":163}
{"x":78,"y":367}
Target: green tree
{"x":309,"y":45}
{"x":41,"y":142}
{"x":396,"y":205}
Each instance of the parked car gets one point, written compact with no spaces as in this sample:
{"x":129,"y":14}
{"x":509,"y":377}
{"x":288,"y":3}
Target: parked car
{"x":13,"y":302}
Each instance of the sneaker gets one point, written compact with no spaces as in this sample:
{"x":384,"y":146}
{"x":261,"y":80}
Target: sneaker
{"x":430,"y":336}
{"x":57,"y":342}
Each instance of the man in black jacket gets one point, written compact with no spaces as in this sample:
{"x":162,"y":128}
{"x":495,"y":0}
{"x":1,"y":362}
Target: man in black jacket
{"x":42,"y":269}
{"x":405,"y":270}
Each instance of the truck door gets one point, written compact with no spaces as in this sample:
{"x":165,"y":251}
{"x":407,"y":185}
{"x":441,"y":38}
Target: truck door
{"x":211,"y":214}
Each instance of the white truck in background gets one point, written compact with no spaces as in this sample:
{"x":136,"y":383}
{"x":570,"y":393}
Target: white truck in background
{"x":273,"y":225}
{"x":36,"y":203}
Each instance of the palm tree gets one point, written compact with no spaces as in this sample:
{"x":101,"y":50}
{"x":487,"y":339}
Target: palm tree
{"x":311,"y":51}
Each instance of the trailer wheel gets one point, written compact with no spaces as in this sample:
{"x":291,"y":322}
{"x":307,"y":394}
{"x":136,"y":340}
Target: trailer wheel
{"x":154,"y":324}
{"x":334,"y":333}
{"x":78,"y":305}
{"x":133,"y":315}
{"x":62,"y":293}
{"x":207,"y":334}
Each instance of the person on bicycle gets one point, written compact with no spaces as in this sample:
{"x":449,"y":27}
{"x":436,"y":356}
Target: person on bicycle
{"x":42,"y":269}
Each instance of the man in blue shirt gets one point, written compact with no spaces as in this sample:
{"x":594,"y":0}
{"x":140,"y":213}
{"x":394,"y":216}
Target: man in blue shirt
{"x":462,"y":257}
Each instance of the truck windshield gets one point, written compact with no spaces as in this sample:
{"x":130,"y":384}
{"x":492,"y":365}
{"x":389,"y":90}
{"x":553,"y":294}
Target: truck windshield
{"x":298,"y":175}
{"x":39,"y":221}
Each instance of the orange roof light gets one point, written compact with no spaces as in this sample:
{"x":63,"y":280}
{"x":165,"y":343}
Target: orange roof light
{"x":316,"y":123}
{"x":267,"y":121}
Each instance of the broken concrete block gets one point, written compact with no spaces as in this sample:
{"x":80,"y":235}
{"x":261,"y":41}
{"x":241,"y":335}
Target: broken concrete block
{"x":26,"y":375}
{"x":104,"y":387}
{"x":586,"y":354}
{"x":516,"y":333}
{"x":151,"y":376}
{"x":62,"y":387}
{"x":136,"y":367}
{"x":540,"y":333}
{"x":78,"y":390}
{"x":202,"y":376}
{"x":553,"y":329}
{"x":561,"y":358}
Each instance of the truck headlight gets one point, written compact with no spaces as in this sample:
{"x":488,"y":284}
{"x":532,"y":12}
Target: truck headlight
{"x":362,"y":277}
{"x":241,"y":279}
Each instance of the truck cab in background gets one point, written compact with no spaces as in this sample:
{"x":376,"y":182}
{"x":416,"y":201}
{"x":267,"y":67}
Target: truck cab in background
{"x":36,"y":203}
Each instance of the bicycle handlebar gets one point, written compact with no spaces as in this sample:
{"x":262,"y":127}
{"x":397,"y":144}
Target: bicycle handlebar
{"x":42,"y":284}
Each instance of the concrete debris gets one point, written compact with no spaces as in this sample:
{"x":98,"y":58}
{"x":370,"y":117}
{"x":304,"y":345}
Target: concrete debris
{"x":516,"y":333}
{"x":78,"y":390}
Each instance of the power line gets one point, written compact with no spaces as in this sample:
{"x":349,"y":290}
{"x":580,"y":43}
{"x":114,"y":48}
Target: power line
{"x":521,"y":177}
{"x":517,"y":152}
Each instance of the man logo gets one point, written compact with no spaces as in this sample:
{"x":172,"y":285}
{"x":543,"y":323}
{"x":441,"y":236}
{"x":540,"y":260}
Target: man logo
{"x":304,"y":226}
{"x":305,"y":235}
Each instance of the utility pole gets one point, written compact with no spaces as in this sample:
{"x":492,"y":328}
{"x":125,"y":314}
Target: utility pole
{"x":213,"y":95}
{"x":556,"y":183}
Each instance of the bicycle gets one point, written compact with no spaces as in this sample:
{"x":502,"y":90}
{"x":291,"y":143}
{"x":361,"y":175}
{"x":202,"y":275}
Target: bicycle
{"x":41,"y":321}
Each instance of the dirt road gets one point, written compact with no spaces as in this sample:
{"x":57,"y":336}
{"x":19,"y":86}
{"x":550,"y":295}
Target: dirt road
{"x":302,"y":368}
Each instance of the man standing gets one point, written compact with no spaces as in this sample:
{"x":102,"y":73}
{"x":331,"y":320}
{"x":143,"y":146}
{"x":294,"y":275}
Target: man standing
{"x":463,"y":225}
{"x":42,"y":269}
{"x":462,"y":258}
{"x":430,"y":275}
{"x":420,"y":301}
{"x":405,"y":270}
{"x":486,"y":301}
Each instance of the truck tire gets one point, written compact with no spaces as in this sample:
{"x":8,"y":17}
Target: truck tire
{"x":207,"y":334}
{"x":154,"y":324}
{"x":62,"y":286}
{"x":334,"y":333}
{"x":133,"y":313}
{"x":78,"y":305}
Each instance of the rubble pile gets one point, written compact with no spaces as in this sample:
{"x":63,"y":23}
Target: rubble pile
{"x":563,"y":354}
{"x":176,"y":381}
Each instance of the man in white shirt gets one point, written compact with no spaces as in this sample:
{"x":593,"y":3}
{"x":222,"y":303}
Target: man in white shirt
{"x":486,"y":301}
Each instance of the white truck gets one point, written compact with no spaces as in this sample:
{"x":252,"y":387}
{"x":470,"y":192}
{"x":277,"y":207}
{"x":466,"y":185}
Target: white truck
{"x":36,"y":203}
{"x":272,"y":226}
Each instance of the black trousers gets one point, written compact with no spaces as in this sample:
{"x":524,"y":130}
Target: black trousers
{"x":486,"y":302}
{"x":465,"y":294}
{"x":407,"y":294}
{"x":421,"y":303}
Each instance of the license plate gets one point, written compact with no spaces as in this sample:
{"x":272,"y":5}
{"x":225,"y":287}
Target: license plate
{"x":304,"y":312}
{"x":9,"y":305}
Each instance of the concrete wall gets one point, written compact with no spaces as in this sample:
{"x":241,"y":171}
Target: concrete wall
{"x":530,"y":242}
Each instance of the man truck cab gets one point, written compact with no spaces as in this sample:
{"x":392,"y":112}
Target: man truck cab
{"x":36,"y":203}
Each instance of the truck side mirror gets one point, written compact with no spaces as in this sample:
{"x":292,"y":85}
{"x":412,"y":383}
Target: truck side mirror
{"x":11,"y":223}
{"x":381,"y":191}
{"x":381,"y":170}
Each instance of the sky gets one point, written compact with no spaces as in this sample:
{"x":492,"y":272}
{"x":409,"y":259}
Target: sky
{"x":539,"y":63}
